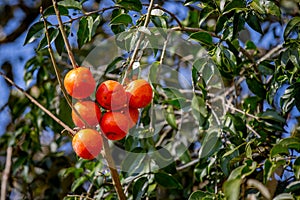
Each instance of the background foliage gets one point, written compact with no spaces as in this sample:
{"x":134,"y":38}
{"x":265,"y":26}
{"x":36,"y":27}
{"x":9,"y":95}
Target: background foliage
{"x":255,"y":46}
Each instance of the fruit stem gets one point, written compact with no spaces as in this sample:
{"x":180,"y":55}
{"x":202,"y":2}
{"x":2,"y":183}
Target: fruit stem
{"x":34,"y":101}
{"x":113,"y":171}
{"x":64,"y":35}
{"x":57,"y":73}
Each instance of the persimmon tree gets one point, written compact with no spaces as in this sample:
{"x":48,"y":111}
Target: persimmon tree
{"x":221,"y":122}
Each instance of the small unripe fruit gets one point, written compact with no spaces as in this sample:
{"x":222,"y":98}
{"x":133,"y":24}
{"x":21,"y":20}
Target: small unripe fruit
{"x":79,"y":83}
{"x":114,"y":125}
{"x":111,"y":95}
{"x":139,"y":93}
{"x":87,"y":143}
{"x":89,"y":111}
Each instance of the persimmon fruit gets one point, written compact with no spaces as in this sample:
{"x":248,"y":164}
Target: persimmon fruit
{"x":111,"y":95}
{"x":132,"y":115}
{"x":114,"y":125}
{"x":139,"y":93}
{"x":87,"y":143}
{"x":89,"y":112}
{"x":79,"y":83}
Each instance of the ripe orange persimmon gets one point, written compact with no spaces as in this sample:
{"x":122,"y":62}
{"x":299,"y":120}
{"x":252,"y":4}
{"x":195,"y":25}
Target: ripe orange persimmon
{"x":139,"y":93}
{"x":79,"y":83}
{"x":132,"y":115}
{"x":89,"y":111}
{"x":87,"y":143}
{"x":111,"y":95}
{"x":114,"y":125}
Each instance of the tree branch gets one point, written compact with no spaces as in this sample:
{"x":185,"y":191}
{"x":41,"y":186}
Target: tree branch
{"x":34,"y":101}
{"x":113,"y":171}
{"x":6,"y":172}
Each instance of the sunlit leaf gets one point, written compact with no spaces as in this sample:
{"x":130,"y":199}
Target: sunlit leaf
{"x":131,"y":4}
{"x":34,"y":32}
{"x":290,"y":27}
{"x":71,"y":4}
{"x":123,"y":19}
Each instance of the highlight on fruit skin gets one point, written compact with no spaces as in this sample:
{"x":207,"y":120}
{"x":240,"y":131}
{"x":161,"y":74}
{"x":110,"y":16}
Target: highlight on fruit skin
{"x":139,"y":93}
{"x":89,"y":111}
{"x":87,"y":143}
{"x":79,"y":83}
{"x":114,"y":125}
{"x":111,"y":95}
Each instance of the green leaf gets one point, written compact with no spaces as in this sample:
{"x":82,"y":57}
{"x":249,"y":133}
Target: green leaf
{"x":284,"y":196}
{"x":211,"y":144}
{"x":53,"y":33}
{"x":238,"y":123}
{"x":253,"y":21}
{"x":167,"y":181}
{"x":256,"y":5}
{"x":140,"y":187}
{"x":85,"y":30}
{"x":50,"y":11}
{"x":202,"y":37}
{"x":71,"y":4}
{"x":163,"y":158}
{"x":122,"y":19}
{"x":153,"y":72}
{"x":293,"y":187}
{"x":221,"y":23}
{"x":232,"y":188}
{"x":78,"y":182}
{"x":205,"y":13}
{"x":256,"y":87}
{"x":199,"y":109}
{"x":296,"y":168}
{"x":231,"y":151}
{"x":284,"y":145}
{"x":113,"y":65}
{"x":234,"y":5}
{"x":170,"y":117}
{"x":135,"y":5}
{"x":290,"y":27}
{"x":59,"y":43}
{"x":271,"y":114}
{"x":272,"y":8}
{"x":34,"y":32}
{"x":160,"y":22}
{"x":200,"y":195}
{"x":268,"y":166}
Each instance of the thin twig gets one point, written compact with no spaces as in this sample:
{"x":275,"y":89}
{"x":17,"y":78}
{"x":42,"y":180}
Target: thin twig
{"x":113,"y":171}
{"x":90,"y":13}
{"x":254,"y":131}
{"x":191,"y":29}
{"x":170,"y":13}
{"x":242,"y":112}
{"x":270,"y":53}
{"x":189,"y":164}
{"x":64,"y":35}
{"x":34,"y":101}
{"x":141,"y":38}
{"x":6,"y":172}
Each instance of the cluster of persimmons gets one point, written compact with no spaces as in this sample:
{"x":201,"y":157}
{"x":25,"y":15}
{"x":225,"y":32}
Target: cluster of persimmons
{"x":115,"y":109}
